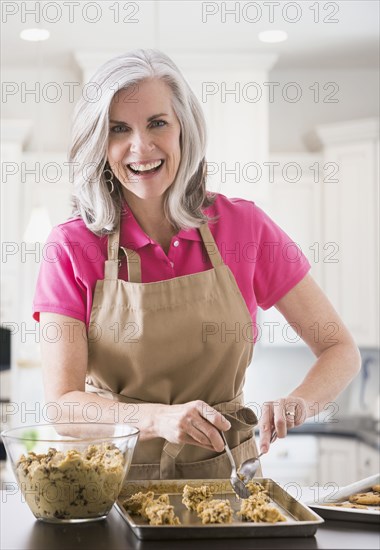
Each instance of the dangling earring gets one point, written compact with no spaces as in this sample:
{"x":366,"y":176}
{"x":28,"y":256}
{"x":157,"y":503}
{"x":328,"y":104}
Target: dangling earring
{"x":110,"y":181}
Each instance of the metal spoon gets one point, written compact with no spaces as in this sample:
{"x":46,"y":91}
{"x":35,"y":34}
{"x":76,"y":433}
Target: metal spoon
{"x":249,"y":467}
{"x":237,"y":484}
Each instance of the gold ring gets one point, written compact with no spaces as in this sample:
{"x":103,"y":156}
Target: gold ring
{"x":288,"y":413}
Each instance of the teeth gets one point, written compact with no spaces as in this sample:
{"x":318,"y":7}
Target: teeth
{"x":145,"y":167}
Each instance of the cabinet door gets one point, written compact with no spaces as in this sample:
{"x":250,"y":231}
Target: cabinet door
{"x":294,"y":204}
{"x":292,"y":460}
{"x":337,"y":460}
{"x":350,"y":208}
{"x":369,"y":461}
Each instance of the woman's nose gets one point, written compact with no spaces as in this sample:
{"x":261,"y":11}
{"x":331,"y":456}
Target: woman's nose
{"x":141,"y":142}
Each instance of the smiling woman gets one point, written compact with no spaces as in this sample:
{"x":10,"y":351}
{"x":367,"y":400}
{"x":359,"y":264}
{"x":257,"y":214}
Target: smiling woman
{"x":149,"y":147}
{"x":158,"y":327}
{"x":145,"y":112}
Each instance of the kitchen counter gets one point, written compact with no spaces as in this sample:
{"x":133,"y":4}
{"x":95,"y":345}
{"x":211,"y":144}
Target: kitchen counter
{"x":21,"y":531}
{"x":362,"y":429}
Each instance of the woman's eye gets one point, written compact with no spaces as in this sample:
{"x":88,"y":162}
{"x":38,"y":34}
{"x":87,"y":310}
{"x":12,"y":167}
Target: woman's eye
{"x":160,"y":122}
{"x":118,"y":129}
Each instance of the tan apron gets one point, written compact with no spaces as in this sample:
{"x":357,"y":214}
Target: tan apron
{"x":172,"y":342}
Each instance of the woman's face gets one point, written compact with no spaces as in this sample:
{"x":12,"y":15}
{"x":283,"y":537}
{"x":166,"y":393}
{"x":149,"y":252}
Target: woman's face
{"x":144,"y":138}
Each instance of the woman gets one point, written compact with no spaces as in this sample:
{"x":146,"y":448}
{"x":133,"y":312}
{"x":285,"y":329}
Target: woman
{"x":154,"y":312}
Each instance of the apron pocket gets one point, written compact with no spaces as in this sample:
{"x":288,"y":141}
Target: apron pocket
{"x":143,"y":471}
{"x":218,"y":467}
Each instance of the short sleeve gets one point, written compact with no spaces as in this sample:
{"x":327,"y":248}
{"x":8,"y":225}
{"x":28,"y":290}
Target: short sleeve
{"x":280,"y":263}
{"x":59,"y":288}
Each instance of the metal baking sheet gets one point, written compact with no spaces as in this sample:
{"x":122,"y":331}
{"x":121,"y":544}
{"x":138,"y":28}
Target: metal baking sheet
{"x":300,"y":520}
{"x":370,"y":515}
{"x":346,"y":514}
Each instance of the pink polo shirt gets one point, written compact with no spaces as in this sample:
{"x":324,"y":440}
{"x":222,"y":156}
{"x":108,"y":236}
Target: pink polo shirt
{"x":266,"y":263}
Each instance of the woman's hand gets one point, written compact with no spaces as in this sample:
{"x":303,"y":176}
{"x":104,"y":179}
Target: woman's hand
{"x":280,"y":415}
{"x":195,"y":423}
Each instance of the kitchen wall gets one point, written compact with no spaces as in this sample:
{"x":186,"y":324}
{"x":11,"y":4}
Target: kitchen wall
{"x":49,"y":112}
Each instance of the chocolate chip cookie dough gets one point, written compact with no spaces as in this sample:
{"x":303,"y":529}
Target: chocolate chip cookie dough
{"x":215,"y":511}
{"x":157,"y":511}
{"x":192,"y":496}
{"x":256,"y":507}
{"x":71,"y":484}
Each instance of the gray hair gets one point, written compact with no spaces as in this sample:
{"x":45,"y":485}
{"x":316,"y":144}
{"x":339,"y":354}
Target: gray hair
{"x":97,"y":195}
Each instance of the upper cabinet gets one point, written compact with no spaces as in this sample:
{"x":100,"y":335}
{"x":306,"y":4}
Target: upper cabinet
{"x":350,"y":215}
{"x":328,"y":202}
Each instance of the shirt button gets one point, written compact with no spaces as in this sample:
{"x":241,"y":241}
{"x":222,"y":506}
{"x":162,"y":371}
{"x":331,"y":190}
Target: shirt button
{"x":172,"y":264}
{"x":176,"y":243}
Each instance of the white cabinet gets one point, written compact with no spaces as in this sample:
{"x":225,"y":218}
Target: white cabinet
{"x":328,"y":202}
{"x":369,"y":461}
{"x":338,"y":460}
{"x":292,"y":460}
{"x":350,"y":208}
{"x":308,"y":460}
{"x":294,"y":181}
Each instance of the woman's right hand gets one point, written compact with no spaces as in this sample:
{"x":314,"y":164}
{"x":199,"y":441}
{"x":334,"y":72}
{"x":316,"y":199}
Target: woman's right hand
{"x":194,"y":423}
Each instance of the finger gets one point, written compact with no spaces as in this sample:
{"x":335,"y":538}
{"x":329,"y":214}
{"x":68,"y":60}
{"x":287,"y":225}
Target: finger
{"x":197,"y":435}
{"x":213,"y":416}
{"x":201,"y":434}
{"x":290,"y":413}
{"x":279,"y":418}
{"x":298,"y":405}
{"x":211,"y":422}
{"x":212,"y":434}
{"x":265,"y":426}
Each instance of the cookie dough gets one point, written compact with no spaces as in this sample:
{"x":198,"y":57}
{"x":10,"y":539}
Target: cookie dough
{"x":255,"y":508}
{"x":192,"y":496}
{"x":255,"y":488}
{"x":157,"y":511}
{"x":137,"y":503}
{"x":215,"y":511}
{"x":72,"y":484}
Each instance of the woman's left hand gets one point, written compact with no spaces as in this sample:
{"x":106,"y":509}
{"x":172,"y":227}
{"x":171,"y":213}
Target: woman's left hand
{"x":280,"y":416}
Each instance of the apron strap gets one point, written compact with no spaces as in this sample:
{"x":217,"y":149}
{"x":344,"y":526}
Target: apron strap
{"x":111,"y":268}
{"x":210,"y":245}
{"x":134,"y":265}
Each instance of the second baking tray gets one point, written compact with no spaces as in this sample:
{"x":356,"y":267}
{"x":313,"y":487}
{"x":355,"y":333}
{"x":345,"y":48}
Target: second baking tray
{"x":300,"y":520}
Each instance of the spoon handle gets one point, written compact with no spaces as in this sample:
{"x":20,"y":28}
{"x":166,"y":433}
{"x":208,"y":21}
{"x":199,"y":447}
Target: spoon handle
{"x":228,"y":451}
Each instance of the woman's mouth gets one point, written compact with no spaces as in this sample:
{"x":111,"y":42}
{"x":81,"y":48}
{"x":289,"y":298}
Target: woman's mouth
{"x":147,"y":169}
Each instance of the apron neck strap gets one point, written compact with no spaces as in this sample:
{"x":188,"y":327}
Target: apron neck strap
{"x":133,"y":264}
{"x":111,"y":271}
{"x":210,"y":245}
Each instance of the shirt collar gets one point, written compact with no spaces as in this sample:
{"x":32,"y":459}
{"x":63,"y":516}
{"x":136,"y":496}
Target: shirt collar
{"x":138,"y":238}
{"x":132,"y":235}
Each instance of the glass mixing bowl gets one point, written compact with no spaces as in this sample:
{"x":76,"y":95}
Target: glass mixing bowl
{"x":70,"y":472}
